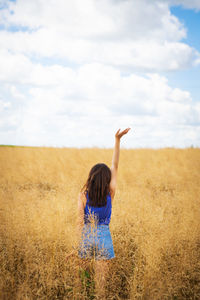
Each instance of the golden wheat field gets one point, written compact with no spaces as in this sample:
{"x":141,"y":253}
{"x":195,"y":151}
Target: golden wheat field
{"x":155,"y":224}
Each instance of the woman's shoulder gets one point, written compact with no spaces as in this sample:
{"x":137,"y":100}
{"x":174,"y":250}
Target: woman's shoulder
{"x":83,"y":197}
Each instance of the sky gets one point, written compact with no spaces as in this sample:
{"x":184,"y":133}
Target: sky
{"x":73,"y":72}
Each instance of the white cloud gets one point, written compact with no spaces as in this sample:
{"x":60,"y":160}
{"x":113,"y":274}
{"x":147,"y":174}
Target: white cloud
{"x":68,"y":74}
{"x":192,"y":4}
{"x":135,"y":34}
{"x":97,"y":19}
{"x":83,"y":106}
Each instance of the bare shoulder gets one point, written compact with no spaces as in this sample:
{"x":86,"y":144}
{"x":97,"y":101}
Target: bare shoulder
{"x":112,"y":193}
{"x":82,"y":199}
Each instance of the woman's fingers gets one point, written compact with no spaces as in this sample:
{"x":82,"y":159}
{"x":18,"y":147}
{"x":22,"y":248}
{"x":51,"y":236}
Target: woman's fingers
{"x":120,"y":134}
{"x":117,"y":133}
{"x":125,"y":131}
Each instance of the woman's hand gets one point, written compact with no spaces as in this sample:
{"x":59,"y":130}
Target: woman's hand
{"x":119,"y":134}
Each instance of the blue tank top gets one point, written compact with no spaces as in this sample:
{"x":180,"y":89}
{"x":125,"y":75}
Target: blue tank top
{"x":101,"y":214}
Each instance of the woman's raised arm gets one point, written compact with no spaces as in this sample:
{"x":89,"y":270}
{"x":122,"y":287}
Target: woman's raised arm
{"x":115,"y":160}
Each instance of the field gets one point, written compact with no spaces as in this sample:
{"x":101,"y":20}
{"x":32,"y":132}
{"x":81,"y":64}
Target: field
{"x":155,"y":224}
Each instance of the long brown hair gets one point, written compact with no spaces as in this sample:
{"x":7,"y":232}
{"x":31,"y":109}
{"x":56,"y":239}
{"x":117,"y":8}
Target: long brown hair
{"x":97,"y":185}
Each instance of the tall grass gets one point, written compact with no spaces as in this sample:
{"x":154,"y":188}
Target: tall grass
{"x":155,"y":224}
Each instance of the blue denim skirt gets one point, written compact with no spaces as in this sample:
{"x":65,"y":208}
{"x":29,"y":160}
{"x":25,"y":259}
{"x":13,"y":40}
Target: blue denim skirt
{"x":96,"y":242}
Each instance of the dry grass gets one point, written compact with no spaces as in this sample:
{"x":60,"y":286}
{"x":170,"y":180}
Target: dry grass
{"x":155,"y":224}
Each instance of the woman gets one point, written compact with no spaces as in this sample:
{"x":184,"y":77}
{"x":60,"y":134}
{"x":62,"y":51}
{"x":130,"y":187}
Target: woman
{"x":94,"y":214}
{"x":96,"y":240}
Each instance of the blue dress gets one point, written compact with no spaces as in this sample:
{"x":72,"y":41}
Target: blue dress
{"x":96,"y":241}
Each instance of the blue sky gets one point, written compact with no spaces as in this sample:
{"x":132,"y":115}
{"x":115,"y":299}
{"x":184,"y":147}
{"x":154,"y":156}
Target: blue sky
{"x":191,"y":20}
{"x":189,"y":78}
{"x":72,"y":73}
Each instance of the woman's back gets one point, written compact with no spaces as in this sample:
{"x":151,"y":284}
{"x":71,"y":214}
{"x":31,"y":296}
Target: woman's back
{"x":101,"y":214}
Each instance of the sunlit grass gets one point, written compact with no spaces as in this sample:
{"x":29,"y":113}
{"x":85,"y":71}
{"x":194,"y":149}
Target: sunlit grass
{"x":155,"y":224}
